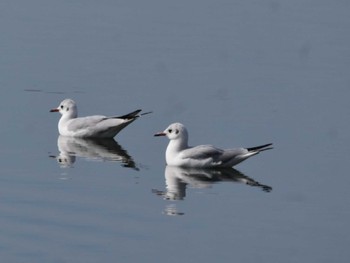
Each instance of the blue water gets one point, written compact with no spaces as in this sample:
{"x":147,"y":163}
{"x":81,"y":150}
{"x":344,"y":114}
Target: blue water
{"x":236,"y":73}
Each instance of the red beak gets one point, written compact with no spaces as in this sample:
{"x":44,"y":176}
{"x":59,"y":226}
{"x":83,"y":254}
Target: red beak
{"x":54,"y":110}
{"x":160,"y":134}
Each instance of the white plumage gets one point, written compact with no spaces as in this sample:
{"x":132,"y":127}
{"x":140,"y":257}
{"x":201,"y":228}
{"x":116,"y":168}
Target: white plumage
{"x":97,"y":126}
{"x":178,"y":153}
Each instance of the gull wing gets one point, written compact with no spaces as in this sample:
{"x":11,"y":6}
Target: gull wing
{"x":85,"y":122}
{"x":202,"y":152}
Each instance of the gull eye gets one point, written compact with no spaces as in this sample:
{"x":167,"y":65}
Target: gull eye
{"x":170,"y":130}
{"x":61,"y":106}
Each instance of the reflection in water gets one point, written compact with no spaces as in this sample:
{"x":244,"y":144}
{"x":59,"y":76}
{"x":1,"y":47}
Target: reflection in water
{"x":171,"y":210}
{"x":93,"y":149}
{"x":177,"y":179}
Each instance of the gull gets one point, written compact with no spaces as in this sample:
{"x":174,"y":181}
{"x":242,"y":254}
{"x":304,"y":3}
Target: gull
{"x":96,"y":126}
{"x":178,"y":153}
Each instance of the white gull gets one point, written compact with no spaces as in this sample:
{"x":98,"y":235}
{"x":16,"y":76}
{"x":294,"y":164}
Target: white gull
{"x":96,"y":126}
{"x":178,"y":153}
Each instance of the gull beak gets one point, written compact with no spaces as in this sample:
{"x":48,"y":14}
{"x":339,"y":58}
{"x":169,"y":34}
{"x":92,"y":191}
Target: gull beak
{"x":160,"y":134}
{"x":54,"y":110}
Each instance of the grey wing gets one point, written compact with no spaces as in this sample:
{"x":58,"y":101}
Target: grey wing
{"x":231,"y":157}
{"x":85,"y":122}
{"x":202,"y":152}
{"x":234,"y":153}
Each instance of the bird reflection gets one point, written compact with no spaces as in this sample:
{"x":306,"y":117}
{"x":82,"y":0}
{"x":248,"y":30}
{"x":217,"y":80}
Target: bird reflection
{"x":92,"y":149}
{"x":177,"y":179}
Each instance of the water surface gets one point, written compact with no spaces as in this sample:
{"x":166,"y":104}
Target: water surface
{"x":235,"y":73}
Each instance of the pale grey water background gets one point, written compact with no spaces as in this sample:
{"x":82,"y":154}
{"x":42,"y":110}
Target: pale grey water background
{"x":236,"y":73}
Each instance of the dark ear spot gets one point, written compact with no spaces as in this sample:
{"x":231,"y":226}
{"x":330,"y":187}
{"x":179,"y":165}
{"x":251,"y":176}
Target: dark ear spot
{"x":67,"y":109}
{"x":176,"y":131}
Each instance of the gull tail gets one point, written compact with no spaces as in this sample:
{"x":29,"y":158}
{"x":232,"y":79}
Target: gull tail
{"x":260,"y":148}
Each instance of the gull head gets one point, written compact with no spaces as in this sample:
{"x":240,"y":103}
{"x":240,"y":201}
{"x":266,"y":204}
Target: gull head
{"x":175,"y":131}
{"x":68,"y":108}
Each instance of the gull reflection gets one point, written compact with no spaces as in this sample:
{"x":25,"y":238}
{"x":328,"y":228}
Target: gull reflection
{"x":92,"y":149}
{"x":177,"y":179}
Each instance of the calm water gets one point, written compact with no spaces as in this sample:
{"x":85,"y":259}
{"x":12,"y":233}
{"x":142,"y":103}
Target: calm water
{"x":236,"y":73}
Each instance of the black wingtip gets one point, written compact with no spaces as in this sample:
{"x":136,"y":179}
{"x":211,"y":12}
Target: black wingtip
{"x":260,"y":148}
{"x":130,"y":115}
{"x":145,"y":113}
{"x":133,"y":115}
